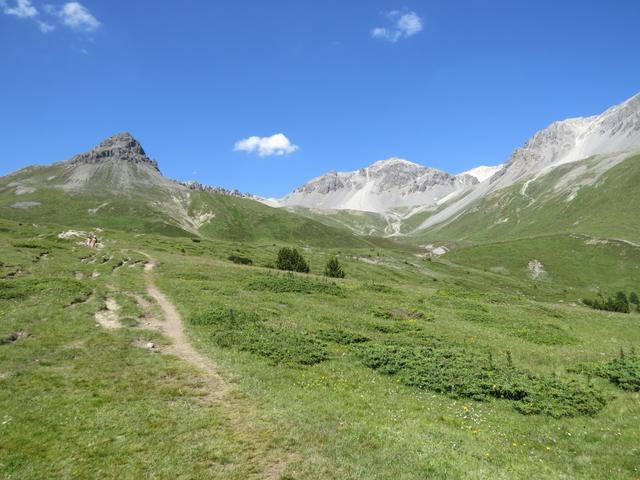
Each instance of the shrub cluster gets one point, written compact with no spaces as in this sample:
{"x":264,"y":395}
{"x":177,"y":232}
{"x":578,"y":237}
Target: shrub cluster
{"x":240,"y":260}
{"x":624,"y":371}
{"x":618,"y":303}
{"x":341,"y":336}
{"x":399,"y":314}
{"x":290,"y":283}
{"x":64,"y":289}
{"x":461,"y":374}
{"x":291,"y":260}
{"x":245,"y":331}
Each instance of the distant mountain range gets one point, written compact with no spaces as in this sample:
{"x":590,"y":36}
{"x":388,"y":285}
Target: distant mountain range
{"x":570,"y":177}
{"x":409,"y":199}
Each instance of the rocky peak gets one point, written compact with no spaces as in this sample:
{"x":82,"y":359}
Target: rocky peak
{"x":120,"y":147}
{"x":393,"y":162}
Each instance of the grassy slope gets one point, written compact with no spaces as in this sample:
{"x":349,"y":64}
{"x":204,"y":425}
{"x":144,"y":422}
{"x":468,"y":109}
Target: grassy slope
{"x":142,"y":210}
{"x":607,"y":209}
{"x":575,"y":266}
{"x":362,"y":223}
{"x":244,"y":220}
{"x":125,"y":412}
{"x":81,"y":402}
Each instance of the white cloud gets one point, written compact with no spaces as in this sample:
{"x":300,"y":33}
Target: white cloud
{"x":45,"y":27}
{"x":76,"y":16}
{"x":277,"y":144}
{"x":24,"y":9}
{"x":404,"y":25}
{"x":21,"y":9}
{"x":71,"y":14}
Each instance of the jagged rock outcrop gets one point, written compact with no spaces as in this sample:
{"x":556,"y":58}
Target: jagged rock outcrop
{"x":121,"y":147}
{"x":193,"y":185}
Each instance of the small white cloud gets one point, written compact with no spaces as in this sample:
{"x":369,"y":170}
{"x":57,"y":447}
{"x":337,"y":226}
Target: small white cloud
{"x":404,"y":25}
{"x":45,"y":27}
{"x":277,"y":144}
{"x":21,"y":9}
{"x":75,"y":15}
{"x":391,"y":35}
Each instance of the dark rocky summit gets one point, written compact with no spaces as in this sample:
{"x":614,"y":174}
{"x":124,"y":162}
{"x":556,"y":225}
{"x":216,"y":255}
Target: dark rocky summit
{"x":120,"y":147}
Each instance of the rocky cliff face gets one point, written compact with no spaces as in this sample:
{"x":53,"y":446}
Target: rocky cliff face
{"x":616,"y":130}
{"x":120,"y":147}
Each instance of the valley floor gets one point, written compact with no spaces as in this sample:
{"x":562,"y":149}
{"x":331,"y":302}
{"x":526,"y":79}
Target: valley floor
{"x":157,"y":357}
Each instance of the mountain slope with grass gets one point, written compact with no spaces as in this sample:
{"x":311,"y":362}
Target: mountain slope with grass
{"x":116,"y":185}
{"x":598,"y":196}
{"x":607,"y":139}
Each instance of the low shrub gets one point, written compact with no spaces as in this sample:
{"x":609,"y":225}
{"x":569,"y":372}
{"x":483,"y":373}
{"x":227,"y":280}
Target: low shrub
{"x":63,"y":289}
{"x":341,"y":337}
{"x":618,"y":303}
{"x":399,"y":313}
{"x":462,"y":374}
{"x":290,"y":283}
{"x":624,"y":371}
{"x":247,"y":332}
{"x":531,"y":330}
{"x":277,"y":345}
{"x":378,"y":288}
{"x":240,"y":260}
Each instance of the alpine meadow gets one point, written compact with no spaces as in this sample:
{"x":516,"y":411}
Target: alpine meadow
{"x":383,"y":320}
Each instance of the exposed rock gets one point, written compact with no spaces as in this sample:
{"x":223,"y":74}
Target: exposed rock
{"x":25,"y":205}
{"x":536,"y":270}
{"x":122,"y":147}
{"x":108,"y":318}
{"x":380,"y":187}
{"x":12,"y":338}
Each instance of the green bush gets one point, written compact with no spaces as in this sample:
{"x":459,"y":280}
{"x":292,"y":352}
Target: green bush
{"x":290,"y":259}
{"x":333,"y":268}
{"x":462,"y":374}
{"x":633,"y":298}
{"x":341,"y":337}
{"x":247,"y":332}
{"x":64,"y":289}
{"x":240,"y":260}
{"x":624,"y":371}
{"x":290,"y":283}
{"x":399,"y":313}
{"x":618,"y":303}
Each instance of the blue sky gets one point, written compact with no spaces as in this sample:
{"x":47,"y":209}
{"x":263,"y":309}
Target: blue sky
{"x":449,"y":84}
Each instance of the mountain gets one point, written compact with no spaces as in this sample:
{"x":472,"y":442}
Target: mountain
{"x":567,"y":142}
{"x":483,"y":172}
{"x":380,"y":187}
{"x":116,"y":185}
{"x":540,"y":188}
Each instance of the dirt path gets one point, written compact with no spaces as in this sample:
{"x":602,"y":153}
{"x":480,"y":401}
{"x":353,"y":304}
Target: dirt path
{"x":173,"y":328}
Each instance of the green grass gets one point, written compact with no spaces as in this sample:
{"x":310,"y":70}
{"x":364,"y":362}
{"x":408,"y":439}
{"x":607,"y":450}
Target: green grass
{"x":605,"y":208}
{"x":575,"y":267}
{"x":387,"y":373}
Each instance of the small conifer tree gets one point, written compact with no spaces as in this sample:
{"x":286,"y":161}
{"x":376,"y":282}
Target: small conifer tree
{"x":333,"y":268}
{"x":291,"y":260}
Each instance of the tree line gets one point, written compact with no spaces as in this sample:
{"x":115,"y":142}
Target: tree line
{"x":619,"y":302}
